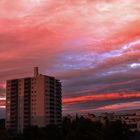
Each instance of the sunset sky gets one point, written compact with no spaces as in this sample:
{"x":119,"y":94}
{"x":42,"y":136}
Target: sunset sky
{"x":92,"y":46}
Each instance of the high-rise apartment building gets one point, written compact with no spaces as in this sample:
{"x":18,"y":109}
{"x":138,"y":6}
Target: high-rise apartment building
{"x":33,"y":101}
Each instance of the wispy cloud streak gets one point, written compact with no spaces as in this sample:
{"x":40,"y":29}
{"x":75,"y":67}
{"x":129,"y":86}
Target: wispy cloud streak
{"x":91,"y":45}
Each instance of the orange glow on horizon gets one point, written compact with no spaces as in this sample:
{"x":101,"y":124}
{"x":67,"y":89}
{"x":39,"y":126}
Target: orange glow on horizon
{"x":2,"y":103}
{"x":111,"y":96}
{"x":81,"y":99}
{"x":74,"y":100}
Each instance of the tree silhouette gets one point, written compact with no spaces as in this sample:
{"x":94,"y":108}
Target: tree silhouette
{"x":78,"y":129}
{"x":115,"y":130}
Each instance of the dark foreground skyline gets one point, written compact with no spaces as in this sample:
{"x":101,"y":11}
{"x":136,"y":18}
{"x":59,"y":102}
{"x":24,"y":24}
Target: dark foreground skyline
{"x":93,"y":46}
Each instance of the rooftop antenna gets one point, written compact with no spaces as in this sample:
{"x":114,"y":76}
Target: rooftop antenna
{"x":36,"y":72}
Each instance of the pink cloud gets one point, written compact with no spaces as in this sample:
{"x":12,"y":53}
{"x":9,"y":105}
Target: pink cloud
{"x":42,"y":32}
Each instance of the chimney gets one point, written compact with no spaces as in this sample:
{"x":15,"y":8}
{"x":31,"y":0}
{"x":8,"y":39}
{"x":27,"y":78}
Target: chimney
{"x":36,"y":73}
